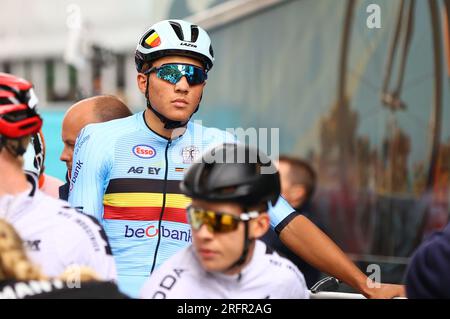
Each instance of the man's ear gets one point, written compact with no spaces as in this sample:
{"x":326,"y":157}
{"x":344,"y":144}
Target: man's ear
{"x":142,"y":82}
{"x":298,"y":192}
{"x":259,"y":226}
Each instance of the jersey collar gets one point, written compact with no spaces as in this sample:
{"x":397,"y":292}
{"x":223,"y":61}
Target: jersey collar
{"x":158,"y":136}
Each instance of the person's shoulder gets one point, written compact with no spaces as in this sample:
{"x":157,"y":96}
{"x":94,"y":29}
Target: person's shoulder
{"x":69,"y":220}
{"x":289,"y":282}
{"x":52,"y":204}
{"x":427,"y":269}
{"x":51,"y":185}
{"x":274,"y":262}
{"x":97,"y":139}
{"x":112,"y":128}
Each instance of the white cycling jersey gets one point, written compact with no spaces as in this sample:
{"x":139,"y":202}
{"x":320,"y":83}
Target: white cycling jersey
{"x":57,"y":236}
{"x":267,"y":275}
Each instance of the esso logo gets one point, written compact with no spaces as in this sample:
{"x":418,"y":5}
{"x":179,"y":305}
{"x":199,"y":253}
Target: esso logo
{"x":144,"y":151}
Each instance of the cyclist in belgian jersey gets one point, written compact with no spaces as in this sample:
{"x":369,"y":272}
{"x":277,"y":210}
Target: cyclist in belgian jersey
{"x":227,"y":217}
{"x":55,"y":235}
{"x":126,"y":172}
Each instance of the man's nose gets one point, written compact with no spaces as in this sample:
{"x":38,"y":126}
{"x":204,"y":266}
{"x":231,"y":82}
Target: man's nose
{"x":66,"y":155}
{"x":182,"y":85}
{"x":204,"y":233}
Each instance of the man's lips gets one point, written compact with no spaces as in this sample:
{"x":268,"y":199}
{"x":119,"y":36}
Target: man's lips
{"x":207,"y":253}
{"x":180,"y":102}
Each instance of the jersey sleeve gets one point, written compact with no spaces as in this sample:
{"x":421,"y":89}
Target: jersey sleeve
{"x":84,"y":243}
{"x":281,"y":214}
{"x":92,"y":161}
{"x":298,"y":290}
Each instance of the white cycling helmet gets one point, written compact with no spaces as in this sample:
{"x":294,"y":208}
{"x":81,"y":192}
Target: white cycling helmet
{"x":34,"y":156}
{"x":174,"y":37}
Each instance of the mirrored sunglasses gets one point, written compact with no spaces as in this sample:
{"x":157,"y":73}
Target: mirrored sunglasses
{"x":173,"y":73}
{"x":217,"y":222}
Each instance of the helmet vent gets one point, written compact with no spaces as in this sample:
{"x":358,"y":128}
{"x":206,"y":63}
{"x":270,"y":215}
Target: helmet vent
{"x":4,"y":101}
{"x":194,"y":33}
{"x":177,"y":28}
{"x":227,"y":190}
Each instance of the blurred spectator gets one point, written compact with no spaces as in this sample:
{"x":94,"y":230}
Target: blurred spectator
{"x":95,"y":109}
{"x":298,"y":183}
{"x":427,"y":275}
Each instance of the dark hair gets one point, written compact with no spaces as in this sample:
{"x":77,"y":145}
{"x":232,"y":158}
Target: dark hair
{"x":301,"y":172}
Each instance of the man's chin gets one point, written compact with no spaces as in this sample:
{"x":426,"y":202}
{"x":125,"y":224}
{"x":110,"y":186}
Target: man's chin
{"x":183,"y":118}
{"x":180,"y":114}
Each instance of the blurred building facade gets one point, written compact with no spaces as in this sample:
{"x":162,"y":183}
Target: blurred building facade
{"x":74,"y":49}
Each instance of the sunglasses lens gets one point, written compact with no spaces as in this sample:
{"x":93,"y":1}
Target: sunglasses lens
{"x":174,"y":72}
{"x":195,"y":75}
{"x":228,"y":223}
{"x":169,"y":73}
{"x":215,"y":222}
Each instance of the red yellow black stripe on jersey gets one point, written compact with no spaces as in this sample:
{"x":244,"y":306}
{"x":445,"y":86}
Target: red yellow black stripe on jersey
{"x":142,"y":199}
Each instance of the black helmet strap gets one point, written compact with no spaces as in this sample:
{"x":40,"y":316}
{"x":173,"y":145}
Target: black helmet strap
{"x":247,"y":243}
{"x":168,"y":123}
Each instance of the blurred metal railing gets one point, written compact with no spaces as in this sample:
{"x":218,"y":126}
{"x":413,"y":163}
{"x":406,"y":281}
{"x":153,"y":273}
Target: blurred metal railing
{"x":331,"y":283}
{"x":335,"y":295}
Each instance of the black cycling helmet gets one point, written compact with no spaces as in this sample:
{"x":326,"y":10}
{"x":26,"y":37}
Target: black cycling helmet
{"x":233,"y":172}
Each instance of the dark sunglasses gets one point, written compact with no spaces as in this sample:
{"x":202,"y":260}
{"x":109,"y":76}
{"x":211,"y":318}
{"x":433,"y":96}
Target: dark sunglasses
{"x":173,"y":73}
{"x":216,"y":222}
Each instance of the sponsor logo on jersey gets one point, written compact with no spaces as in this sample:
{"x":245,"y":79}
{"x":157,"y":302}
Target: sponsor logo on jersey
{"x":146,"y":170}
{"x":78,"y":167}
{"x":144,"y":151}
{"x":23,"y":289}
{"x":78,"y":146}
{"x":152,"y":232}
{"x":167,"y":283}
{"x":189,"y":154}
{"x":33,"y":245}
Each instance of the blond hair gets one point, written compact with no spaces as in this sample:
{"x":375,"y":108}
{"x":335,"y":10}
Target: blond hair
{"x":14,"y":262}
{"x":80,"y":273}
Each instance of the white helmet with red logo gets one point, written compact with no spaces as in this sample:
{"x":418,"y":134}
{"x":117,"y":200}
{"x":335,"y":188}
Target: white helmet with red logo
{"x":174,"y":37}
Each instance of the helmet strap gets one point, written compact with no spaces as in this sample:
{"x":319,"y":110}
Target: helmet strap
{"x":168,"y":123}
{"x":247,"y":242}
